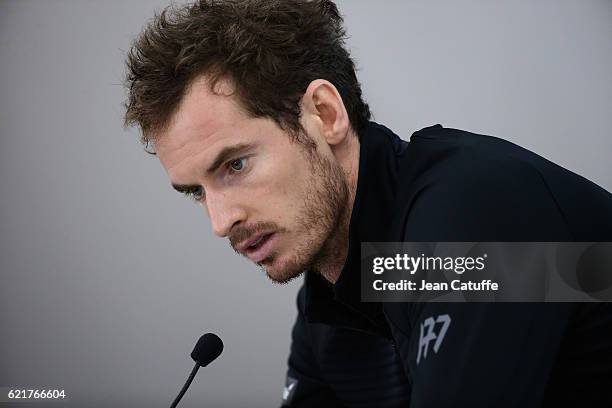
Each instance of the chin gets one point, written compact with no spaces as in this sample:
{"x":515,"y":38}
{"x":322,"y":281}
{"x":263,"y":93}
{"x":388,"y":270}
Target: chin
{"x":280,"y":272}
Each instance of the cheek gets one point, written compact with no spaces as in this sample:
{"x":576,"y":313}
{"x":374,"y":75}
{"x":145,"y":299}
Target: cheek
{"x":279,"y":190}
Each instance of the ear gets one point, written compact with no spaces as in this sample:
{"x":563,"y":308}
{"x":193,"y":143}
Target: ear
{"x":323,"y":109}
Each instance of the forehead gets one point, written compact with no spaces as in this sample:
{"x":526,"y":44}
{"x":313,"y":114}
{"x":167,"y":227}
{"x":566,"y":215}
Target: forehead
{"x":203,"y":120}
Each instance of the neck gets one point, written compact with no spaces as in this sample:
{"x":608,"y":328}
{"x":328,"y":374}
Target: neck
{"x":335,"y":252}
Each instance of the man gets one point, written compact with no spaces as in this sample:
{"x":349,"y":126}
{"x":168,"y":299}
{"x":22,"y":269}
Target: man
{"x":254,"y":110}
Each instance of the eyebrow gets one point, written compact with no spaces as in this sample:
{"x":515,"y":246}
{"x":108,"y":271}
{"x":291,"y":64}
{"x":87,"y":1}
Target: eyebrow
{"x":224,"y":155}
{"x":184,"y":188}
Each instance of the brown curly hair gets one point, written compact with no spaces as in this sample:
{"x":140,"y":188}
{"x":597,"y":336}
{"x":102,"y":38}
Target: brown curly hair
{"x":269,"y":49}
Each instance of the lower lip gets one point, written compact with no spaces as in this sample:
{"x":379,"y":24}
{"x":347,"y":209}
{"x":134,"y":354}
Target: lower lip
{"x":261,"y":252}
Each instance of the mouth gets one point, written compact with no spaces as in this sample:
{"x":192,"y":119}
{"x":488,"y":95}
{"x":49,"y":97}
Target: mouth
{"x":258,"y":247}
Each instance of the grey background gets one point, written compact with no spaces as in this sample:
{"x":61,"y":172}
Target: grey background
{"x":108,"y":277}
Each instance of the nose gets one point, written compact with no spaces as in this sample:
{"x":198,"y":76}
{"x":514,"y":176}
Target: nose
{"x":223,"y":213}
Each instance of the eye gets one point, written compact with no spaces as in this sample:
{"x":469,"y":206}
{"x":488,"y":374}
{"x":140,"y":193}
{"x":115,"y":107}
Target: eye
{"x":237,"y":165}
{"x":196,"y":194}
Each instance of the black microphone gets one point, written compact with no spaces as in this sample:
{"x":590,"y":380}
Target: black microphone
{"x":206,"y":350}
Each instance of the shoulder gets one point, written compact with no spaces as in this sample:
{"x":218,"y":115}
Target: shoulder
{"x":485,"y":188}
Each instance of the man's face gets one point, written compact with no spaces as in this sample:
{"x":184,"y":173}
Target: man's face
{"x":279,"y":203}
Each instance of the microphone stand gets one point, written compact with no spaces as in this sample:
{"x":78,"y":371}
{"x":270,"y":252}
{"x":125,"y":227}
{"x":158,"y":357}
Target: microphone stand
{"x":187,"y":384}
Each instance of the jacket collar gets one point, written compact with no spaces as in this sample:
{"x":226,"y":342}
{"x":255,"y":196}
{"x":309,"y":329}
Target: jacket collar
{"x":371,"y":220}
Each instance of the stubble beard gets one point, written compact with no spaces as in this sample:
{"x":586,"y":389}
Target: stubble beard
{"x":323,"y":220}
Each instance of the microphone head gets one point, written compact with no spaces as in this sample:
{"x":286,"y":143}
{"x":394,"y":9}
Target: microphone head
{"x":207,"y":349}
